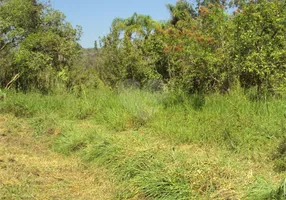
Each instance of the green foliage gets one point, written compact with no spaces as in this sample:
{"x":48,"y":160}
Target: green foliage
{"x":200,"y":50}
{"x":262,"y":189}
{"x":260,"y":41}
{"x":17,"y":20}
{"x":180,"y":11}
{"x":38,"y":44}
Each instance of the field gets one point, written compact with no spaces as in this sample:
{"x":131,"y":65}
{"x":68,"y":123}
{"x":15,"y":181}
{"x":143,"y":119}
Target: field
{"x":188,"y":107}
{"x":135,"y":144}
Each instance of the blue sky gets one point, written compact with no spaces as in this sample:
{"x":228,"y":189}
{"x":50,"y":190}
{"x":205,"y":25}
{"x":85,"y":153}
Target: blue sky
{"x":96,"y":16}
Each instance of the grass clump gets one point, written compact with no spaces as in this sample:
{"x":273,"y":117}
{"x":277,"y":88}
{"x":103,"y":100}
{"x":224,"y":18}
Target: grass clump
{"x":264,"y":190}
{"x":279,"y":193}
{"x":231,"y":121}
{"x":280,"y":156}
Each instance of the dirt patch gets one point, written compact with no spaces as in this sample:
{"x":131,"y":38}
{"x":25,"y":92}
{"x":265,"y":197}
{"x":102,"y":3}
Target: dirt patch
{"x":30,"y":170}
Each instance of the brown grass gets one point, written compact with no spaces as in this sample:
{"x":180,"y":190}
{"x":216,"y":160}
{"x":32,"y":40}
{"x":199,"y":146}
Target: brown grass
{"x":29,"y":170}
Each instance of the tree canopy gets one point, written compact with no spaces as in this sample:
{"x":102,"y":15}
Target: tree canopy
{"x":37,"y":44}
{"x":202,"y":48}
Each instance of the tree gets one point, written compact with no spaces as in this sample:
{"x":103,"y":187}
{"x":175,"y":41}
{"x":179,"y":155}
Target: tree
{"x":123,"y":49}
{"x":42,"y":45}
{"x":201,"y":50}
{"x":140,"y":25}
{"x":95,"y":45}
{"x":18,"y":18}
{"x":180,"y":11}
{"x":260,"y":44}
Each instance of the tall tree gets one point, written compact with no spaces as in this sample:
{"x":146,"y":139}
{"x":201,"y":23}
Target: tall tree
{"x":140,"y":25}
{"x":180,"y":11}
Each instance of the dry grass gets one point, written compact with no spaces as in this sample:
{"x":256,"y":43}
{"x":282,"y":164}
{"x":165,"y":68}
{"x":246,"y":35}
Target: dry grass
{"x":29,"y":170}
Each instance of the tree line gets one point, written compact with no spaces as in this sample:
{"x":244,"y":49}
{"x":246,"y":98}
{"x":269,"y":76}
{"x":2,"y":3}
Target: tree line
{"x":207,"y":47}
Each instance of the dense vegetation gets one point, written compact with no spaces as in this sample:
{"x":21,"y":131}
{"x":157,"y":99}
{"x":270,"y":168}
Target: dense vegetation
{"x":37,"y":45}
{"x":188,"y":108}
{"x":200,"y":50}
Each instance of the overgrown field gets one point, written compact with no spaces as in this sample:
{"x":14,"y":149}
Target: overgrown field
{"x":167,"y":145}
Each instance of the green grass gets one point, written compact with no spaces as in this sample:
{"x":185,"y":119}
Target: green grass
{"x":166,"y":145}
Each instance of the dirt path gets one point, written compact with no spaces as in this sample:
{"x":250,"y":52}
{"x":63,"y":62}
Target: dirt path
{"x":30,"y":170}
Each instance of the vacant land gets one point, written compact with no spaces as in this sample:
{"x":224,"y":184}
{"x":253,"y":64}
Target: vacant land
{"x":152,"y":145}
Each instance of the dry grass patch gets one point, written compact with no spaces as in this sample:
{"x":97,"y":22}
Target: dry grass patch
{"x":29,"y":170}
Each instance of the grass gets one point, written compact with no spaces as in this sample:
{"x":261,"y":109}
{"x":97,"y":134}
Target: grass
{"x":166,"y":145}
{"x":30,"y":170}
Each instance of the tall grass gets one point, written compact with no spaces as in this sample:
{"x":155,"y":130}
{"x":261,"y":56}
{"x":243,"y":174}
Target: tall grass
{"x":166,"y":145}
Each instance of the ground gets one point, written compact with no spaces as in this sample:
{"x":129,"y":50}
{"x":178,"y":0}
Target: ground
{"x":29,"y":169}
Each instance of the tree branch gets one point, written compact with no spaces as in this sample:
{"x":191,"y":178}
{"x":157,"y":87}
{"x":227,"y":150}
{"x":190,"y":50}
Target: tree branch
{"x":3,"y":47}
{"x":13,"y":80}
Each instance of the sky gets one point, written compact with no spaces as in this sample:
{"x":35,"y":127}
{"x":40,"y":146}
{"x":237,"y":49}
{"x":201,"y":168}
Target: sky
{"x":95,"y":16}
